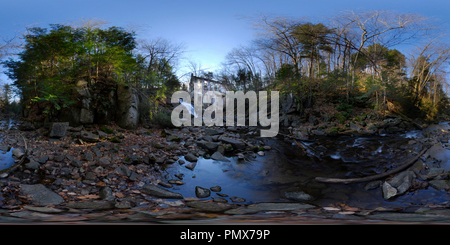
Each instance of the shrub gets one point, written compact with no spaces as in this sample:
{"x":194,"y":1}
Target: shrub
{"x":341,"y":117}
{"x":162,"y":118}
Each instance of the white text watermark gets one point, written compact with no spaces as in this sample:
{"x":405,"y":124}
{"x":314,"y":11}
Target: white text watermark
{"x":216,"y":99}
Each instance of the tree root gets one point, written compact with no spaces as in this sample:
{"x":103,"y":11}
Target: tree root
{"x":373,"y":177}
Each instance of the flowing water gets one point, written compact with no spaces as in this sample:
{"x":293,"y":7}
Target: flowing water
{"x":286,"y":169}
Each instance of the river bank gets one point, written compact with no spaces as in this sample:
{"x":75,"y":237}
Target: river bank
{"x":86,"y":174}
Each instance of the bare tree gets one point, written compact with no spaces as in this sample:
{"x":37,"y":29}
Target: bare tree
{"x":275,"y":33}
{"x":244,"y":57}
{"x":427,"y":62}
{"x":160,"y":51}
{"x":8,"y":47}
{"x":385,"y":27}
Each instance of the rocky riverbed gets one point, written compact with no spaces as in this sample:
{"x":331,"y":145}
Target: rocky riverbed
{"x":107,"y":174}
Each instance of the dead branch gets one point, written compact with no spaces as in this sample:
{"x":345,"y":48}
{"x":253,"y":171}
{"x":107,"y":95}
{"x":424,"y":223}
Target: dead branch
{"x":373,"y":177}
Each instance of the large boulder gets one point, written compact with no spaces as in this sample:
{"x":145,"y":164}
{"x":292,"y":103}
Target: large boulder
{"x":127,"y":111}
{"x":59,"y":129}
{"x":89,"y":137}
{"x":40,"y":195}
{"x":86,"y":116}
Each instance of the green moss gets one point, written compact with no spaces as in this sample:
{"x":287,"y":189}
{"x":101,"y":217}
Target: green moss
{"x":106,"y":130}
{"x":115,"y":140}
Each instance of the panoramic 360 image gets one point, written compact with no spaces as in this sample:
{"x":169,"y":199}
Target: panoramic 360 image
{"x":224,"y":113}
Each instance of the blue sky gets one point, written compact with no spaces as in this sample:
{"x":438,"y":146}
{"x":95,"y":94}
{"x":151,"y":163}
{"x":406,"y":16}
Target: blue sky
{"x":210,"y":29}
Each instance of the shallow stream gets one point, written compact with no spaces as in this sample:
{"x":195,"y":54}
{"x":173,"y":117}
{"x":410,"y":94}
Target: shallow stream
{"x":287,"y":169}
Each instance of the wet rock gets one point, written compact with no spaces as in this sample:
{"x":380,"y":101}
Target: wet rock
{"x":17,"y":152}
{"x":237,"y":199}
{"x":132,"y":159}
{"x":439,"y":184}
{"x":388,"y":191}
{"x":240,"y":156}
{"x":402,"y":181}
{"x":172,"y":147}
{"x":43,"y":159}
{"x":106,"y":194}
{"x":221,"y":149}
{"x":191,"y":165}
{"x":237,"y":144}
{"x":208,"y":138}
{"x":209,"y":206}
{"x":124,"y":204}
{"x":219,"y":199}
{"x":95,"y":205}
{"x":179,"y":176}
{"x":164,"y":184}
{"x":216,"y":188}
{"x":32,"y":165}
{"x":102,"y":135}
{"x":90,"y":176}
{"x":219,"y":157}
{"x":123,"y":170}
{"x":59,"y":129}
{"x":201,"y":192}
{"x":40,"y":195}
{"x":298,"y":195}
{"x":5,"y":148}
{"x":88,"y":156}
{"x":174,"y":138}
{"x":210,"y":146}
{"x":170,"y":161}
{"x":160,"y":192}
{"x":76,"y":163}
{"x":190,"y":157}
{"x":160,"y":160}
{"x":89,"y":137}
{"x":176,"y":182}
{"x":433,"y":171}
{"x":355,"y":127}
{"x":210,"y":131}
{"x":104,"y":161}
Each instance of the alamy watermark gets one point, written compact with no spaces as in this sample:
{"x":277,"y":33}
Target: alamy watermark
{"x":217,"y":100}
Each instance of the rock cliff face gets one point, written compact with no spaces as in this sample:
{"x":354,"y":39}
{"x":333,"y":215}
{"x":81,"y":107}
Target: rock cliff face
{"x":124,"y":104}
{"x":127,"y":107}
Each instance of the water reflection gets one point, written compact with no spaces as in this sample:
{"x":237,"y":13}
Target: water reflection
{"x":6,"y":159}
{"x":286,"y":168}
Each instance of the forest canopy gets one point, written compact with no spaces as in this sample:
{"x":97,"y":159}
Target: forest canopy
{"x":351,"y":58}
